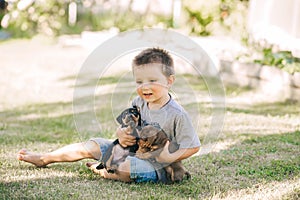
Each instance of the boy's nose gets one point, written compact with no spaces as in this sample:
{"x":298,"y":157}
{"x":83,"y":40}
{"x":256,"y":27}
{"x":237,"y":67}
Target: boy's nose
{"x":145,"y":86}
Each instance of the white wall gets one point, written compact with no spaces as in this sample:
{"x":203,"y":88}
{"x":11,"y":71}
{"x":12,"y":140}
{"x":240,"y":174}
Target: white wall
{"x":278,"y":21}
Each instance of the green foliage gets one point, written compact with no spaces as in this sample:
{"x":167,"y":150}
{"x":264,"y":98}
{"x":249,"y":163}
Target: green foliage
{"x":40,"y":17}
{"x":51,"y":18}
{"x":263,"y":53}
{"x":122,"y":19}
{"x":281,"y":59}
{"x":199,"y":22}
{"x":213,"y":17}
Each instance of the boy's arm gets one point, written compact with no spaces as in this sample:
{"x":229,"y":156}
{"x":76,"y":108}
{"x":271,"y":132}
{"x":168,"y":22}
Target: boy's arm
{"x":167,"y":157}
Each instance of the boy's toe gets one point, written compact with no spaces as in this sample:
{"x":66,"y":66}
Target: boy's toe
{"x":20,"y":157}
{"x":23,"y":151}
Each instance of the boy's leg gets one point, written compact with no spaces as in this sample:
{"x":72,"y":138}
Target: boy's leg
{"x":69,"y":153}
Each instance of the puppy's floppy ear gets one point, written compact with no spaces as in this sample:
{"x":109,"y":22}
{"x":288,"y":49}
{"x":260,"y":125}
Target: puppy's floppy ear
{"x":162,"y":137}
{"x":119,"y":119}
{"x":151,"y":140}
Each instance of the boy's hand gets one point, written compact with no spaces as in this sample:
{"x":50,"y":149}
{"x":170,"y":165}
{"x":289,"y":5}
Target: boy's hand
{"x":165,"y":156}
{"x":125,"y":137}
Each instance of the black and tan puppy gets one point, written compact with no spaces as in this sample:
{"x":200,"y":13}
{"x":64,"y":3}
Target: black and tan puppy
{"x":115,"y":153}
{"x":151,"y":143}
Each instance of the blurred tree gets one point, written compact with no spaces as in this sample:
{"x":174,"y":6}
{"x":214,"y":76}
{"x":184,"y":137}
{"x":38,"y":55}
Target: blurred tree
{"x":215,"y":17}
{"x":3,"y":8}
{"x":51,"y":17}
{"x":28,"y":17}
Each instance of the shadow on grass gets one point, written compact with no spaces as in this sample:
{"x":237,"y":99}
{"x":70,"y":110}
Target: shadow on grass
{"x":268,"y":109}
{"x":54,"y":122}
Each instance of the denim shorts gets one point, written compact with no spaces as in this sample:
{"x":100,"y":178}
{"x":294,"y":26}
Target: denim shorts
{"x":140,"y":170}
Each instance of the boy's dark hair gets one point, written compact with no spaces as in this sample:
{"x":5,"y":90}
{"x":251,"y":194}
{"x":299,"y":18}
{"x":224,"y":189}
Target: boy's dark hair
{"x":156,"y":55}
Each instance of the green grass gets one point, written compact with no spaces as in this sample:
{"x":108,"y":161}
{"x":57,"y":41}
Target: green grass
{"x":262,"y":150}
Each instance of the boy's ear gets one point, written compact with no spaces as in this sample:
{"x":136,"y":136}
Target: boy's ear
{"x":171,"y":80}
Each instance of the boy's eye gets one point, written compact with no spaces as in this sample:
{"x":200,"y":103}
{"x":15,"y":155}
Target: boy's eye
{"x":138,"y":82}
{"x":152,"y":81}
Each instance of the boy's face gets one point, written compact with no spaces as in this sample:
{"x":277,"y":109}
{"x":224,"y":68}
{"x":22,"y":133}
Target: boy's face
{"x":152,"y":84}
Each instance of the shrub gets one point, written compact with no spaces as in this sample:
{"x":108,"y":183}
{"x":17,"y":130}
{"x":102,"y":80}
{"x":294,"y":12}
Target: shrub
{"x":215,"y":17}
{"x":263,"y":53}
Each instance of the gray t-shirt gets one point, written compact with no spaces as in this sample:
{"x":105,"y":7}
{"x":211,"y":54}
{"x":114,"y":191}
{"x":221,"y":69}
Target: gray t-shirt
{"x":173,"y":119}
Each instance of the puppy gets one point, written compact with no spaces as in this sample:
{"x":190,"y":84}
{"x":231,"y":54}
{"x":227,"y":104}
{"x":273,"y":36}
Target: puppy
{"x":115,"y":153}
{"x":151,"y":143}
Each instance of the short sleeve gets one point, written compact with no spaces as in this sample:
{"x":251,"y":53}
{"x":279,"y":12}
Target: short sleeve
{"x":185,"y":134}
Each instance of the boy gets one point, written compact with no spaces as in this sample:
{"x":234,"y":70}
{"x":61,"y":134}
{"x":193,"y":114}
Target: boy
{"x":153,"y":70}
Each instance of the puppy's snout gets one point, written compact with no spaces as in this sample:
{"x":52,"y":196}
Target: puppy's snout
{"x":128,"y":118}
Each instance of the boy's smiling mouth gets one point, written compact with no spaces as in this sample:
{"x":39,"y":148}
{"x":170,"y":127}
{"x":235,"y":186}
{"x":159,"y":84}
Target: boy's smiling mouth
{"x":147,"y":95}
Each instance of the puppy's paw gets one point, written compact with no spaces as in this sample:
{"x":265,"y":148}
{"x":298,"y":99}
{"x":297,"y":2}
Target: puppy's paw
{"x":93,"y":168}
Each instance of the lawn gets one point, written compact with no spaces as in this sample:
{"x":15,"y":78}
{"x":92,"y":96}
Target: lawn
{"x":257,"y":155}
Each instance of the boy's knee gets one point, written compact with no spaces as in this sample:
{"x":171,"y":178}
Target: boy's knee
{"x":92,"y":149}
{"x":124,"y":171}
{"x":125,"y":166}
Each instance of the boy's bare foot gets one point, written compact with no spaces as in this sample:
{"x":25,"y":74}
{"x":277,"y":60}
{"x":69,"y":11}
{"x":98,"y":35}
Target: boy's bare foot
{"x":92,"y":166}
{"x":30,"y":157}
